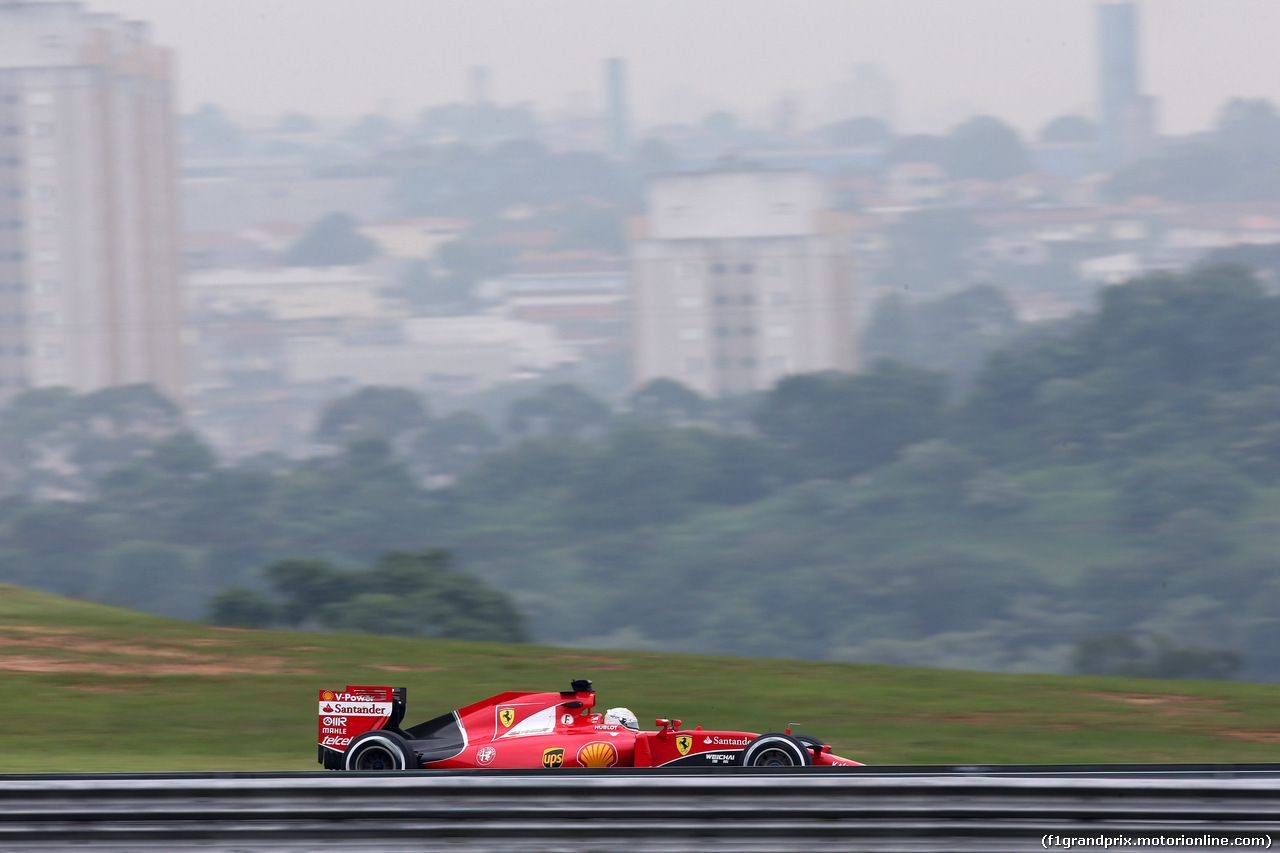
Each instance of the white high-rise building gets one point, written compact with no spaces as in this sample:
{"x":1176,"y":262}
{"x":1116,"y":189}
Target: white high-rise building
{"x":739,"y":279}
{"x":89,"y":231}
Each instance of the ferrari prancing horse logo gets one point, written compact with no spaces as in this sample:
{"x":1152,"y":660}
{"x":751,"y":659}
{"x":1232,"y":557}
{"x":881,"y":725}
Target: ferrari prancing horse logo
{"x":684,"y":743}
{"x":507,"y":716}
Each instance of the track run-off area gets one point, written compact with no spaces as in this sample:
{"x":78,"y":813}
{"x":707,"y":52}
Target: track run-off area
{"x":974,"y":808}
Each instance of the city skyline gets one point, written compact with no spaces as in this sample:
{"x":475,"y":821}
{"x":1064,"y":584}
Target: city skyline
{"x":1025,"y":63}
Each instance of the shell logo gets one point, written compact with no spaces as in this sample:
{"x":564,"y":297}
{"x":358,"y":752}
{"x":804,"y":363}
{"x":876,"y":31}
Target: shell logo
{"x":327,"y":696}
{"x":598,"y":754}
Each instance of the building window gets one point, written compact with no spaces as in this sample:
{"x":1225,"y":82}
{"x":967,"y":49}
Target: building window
{"x":688,"y":270}
{"x":722,"y":331}
{"x":745,"y":299}
{"x":717,"y":268}
{"x":779,"y":298}
{"x":692,"y":365}
{"x":747,"y":362}
{"x":747,"y":331}
{"x":47,"y":256}
{"x":48,"y":318}
{"x":689,"y":301}
{"x":45,"y":223}
{"x":42,"y":161}
{"x":42,"y":129}
{"x":40,"y":99}
{"x":721,"y":299}
{"x":51,"y":351}
{"x":777,"y":362}
{"x":747,"y":269}
{"x":48,"y":287}
{"x":773,"y":267}
{"x":692,"y":333}
{"x":779,"y":331}
{"x":46,"y":193}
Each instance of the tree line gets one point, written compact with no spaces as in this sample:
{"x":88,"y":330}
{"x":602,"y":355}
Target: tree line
{"x":1098,"y":497}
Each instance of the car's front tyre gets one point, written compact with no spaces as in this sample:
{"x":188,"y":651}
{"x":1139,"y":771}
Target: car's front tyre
{"x":776,"y":750}
{"x":378,"y":751}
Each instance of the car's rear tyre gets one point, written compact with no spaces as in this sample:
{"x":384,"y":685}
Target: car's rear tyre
{"x":776,"y":750}
{"x":378,"y":751}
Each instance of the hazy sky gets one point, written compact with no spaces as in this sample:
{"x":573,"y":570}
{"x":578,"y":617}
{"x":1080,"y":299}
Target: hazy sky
{"x":1023,"y":60}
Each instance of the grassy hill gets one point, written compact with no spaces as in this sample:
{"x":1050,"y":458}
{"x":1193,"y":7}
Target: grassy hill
{"x":94,"y":688}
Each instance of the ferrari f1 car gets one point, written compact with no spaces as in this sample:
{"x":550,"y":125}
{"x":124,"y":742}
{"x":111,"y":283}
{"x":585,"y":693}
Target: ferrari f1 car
{"x":360,"y":729}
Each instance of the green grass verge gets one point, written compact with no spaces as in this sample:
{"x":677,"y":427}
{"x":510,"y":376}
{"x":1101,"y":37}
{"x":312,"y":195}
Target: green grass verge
{"x":94,"y":688}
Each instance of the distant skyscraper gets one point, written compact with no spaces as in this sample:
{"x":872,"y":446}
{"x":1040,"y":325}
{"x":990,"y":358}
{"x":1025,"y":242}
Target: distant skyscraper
{"x":739,"y":279}
{"x":615,"y":74}
{"x":89,"y":232}
{"x":1126,"y":117}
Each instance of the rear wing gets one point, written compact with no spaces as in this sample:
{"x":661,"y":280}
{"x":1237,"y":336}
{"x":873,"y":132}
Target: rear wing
{"x":344,"y":714}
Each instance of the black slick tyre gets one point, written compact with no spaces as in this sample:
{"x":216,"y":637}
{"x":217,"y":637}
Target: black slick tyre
{"x":378,"y":751}
{"x":776,"y":750}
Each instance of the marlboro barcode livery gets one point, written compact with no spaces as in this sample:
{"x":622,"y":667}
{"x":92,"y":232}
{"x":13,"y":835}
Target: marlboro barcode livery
{"x":359,"y":729}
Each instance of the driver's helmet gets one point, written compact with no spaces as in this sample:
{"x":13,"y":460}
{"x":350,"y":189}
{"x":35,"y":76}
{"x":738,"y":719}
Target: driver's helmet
{"x":622,"y":717}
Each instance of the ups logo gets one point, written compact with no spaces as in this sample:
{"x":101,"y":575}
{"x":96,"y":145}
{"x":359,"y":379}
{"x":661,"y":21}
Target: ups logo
{"x":553,"y":757}
{"x":507,"y":716}
{"x":684,"y":743}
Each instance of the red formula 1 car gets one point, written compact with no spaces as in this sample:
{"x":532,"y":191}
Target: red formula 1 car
{"x":360,"y":730}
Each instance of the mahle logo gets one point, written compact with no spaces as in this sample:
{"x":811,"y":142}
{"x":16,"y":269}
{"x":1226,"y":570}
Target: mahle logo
{"x":507,"y":716}
{"x":553,"y":757}
{"x":684,"y":743}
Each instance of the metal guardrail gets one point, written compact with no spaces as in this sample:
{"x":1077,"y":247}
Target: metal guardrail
{"x":731,"y":809}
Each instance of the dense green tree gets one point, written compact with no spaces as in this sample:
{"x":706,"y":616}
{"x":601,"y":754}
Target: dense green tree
{"x":666,"y":401}
{"x":1154,"y":490}
{"x":1068,"y":129}
{"x":152,"y":576}
{"x":405,"y":593}
{"x":373,"y":411}
{"x":836,"y":425}
{"x":985,"y":148}
{"x":240,"y":607}
{"x":561,"y":408}
{"x":332,"y":241}
{"x":543,"y":462}
{"x":452,"y":443}
{"x":60,"y":539}
{"x":953,"y":333}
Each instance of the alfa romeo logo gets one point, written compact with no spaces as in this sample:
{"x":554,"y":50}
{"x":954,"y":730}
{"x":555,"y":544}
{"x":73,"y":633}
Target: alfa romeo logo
{"x":486,"y":754}
{"x":684,"y":743}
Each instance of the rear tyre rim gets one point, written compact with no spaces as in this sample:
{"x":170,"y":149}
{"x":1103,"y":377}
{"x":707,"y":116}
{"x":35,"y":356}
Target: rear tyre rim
{"x":375,"y":758}
{"x":775,"y":756}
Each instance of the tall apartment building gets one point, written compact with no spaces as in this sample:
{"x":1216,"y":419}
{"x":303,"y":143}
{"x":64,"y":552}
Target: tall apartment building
{"x":89,"y":232}
{"x":739,"y":279}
